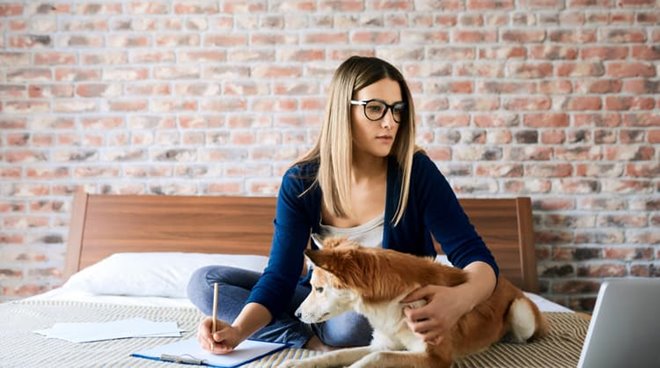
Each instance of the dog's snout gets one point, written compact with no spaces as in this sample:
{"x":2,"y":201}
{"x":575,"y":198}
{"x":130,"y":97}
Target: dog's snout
{"x":297,"y":313}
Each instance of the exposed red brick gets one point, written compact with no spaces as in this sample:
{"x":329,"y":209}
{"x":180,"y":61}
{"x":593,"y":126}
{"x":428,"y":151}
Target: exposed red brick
{"x":564,"y":110}
{"x":654,"y":136}
{"x":575,"y":287}
{"x":630,"y":69}
{"x":489,"y":5}
{"x":629,"y":103}
{"x":602,"y":270}
{"x":627,"y":254}
{"x":600,"y":86}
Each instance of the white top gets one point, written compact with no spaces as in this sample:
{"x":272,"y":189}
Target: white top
{"x":369,"y":234}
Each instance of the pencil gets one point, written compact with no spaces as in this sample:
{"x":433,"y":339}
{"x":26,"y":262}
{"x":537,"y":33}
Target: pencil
{"x":215,"y":306}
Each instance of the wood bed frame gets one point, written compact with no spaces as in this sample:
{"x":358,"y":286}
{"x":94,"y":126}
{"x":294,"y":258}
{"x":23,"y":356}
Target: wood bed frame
{"x":105,"y":224}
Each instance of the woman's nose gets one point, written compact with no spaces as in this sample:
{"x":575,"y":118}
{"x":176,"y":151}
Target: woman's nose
{"x":387,"y":120}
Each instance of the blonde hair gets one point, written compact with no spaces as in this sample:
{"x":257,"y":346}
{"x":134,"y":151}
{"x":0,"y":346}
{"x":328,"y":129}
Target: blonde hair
{"x":333,"y":149}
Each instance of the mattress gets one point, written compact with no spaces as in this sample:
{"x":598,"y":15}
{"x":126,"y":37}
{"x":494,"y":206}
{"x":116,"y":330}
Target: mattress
{"x":152,"y":286}
{"x":561,"y":348}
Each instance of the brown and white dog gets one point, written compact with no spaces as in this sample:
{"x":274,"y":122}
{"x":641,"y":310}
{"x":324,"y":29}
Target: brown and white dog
{"x":374,"y":281}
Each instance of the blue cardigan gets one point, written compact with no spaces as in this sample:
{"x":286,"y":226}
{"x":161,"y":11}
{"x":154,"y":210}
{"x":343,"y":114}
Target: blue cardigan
{"x":432,"y":209}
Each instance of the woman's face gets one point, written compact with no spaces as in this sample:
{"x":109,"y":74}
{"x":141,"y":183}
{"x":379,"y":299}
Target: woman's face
{"x":375,"y":138}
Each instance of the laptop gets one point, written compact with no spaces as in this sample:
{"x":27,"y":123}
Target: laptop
{"x":624,"y":330}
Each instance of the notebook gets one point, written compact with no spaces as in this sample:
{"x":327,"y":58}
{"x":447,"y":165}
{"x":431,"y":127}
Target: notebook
{"x":189,"y":352}
{"x":624,"y":330}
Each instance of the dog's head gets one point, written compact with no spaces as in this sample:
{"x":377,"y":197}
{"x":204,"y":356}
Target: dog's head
{"x":345,"y":273}
{"x":330,"y":296}
{"x":375,"y":274}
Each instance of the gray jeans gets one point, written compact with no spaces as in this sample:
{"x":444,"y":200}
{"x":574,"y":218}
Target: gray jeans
{"x":348,"y":329}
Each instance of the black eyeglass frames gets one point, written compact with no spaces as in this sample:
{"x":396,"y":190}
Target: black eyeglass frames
{"x":375,"y":109}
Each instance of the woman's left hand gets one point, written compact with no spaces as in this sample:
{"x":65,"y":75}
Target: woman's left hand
{"x":444,"y":306}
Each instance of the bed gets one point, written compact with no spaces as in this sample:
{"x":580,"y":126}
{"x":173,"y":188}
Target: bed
{"x":131,"y":255}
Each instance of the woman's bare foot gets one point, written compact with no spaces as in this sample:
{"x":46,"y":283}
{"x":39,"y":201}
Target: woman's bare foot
{"x":316,"y":344}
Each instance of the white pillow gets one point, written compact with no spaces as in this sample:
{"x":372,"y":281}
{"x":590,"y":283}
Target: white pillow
{"x":163,"y":274}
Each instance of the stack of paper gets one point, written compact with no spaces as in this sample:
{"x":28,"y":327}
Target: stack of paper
{"x":99,"y":331}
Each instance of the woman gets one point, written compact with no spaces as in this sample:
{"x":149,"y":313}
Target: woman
{"x":365,"y":179}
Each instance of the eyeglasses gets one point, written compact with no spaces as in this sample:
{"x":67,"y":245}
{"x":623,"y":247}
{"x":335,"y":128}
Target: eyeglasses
{"x":375,"y":109}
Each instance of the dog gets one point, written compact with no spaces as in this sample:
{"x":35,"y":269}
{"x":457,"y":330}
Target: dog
{"x":373,"y":281}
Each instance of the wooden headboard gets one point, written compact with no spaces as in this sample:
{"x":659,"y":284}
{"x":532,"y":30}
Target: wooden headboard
{"x":105,"y":224}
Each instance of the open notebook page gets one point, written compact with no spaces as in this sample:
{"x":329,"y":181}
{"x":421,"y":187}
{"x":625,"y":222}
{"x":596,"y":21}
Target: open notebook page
{"x":245,"y":352}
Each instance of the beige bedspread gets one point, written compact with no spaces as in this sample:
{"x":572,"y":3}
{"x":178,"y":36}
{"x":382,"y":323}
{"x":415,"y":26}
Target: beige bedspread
{"x":20,"y":347}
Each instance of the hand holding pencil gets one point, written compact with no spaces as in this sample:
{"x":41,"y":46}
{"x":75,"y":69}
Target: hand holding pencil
{"x":215,"y":335}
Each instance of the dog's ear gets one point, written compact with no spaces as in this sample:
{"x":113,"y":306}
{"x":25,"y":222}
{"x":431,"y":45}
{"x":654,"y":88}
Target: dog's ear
{"x":329,"y":260}
{"x":310,"y":255}
{"x":347,"y":265}
{"x":317,"y":258}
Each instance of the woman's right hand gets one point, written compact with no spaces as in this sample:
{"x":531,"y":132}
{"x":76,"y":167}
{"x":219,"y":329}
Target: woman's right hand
{"x":222,"y":341}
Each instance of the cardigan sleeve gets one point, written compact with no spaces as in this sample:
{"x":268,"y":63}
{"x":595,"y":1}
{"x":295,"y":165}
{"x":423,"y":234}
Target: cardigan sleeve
{"x":276,"y":286}
{"x":445,"y":218}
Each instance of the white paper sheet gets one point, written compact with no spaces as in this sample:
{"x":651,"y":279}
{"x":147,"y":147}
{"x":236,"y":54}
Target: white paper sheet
{"x":100,"y":331}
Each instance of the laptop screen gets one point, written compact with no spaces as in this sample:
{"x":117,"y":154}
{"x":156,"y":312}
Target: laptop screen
{"x":624,"y":330}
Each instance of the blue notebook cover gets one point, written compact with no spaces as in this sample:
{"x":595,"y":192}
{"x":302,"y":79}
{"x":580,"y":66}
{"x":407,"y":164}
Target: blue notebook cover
{"x":189,"y":352}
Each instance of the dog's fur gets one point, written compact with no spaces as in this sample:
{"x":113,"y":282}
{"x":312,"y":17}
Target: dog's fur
{"x":374,"y":281}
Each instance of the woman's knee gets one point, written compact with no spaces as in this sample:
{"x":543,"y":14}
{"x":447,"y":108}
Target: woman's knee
{"x":200,"y":285}
{"x":199,"y":276}
{"x":206,"y":276}
{"x":197,"y":289}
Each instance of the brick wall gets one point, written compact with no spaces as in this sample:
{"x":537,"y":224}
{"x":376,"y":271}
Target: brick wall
{"x":554,"y":99}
